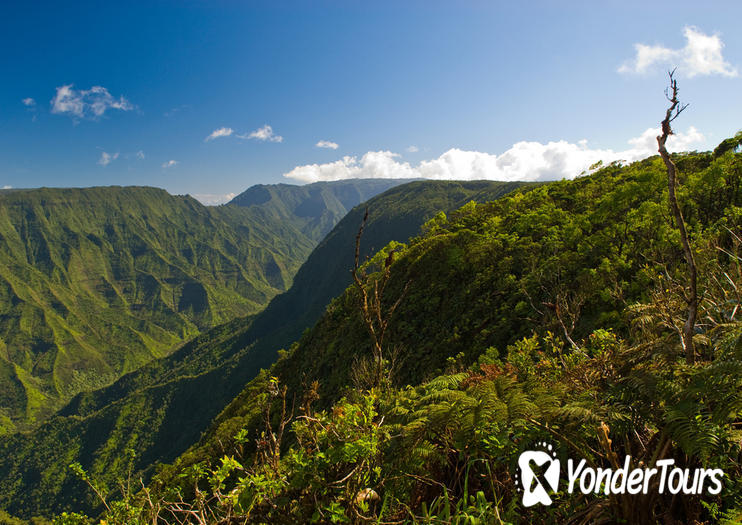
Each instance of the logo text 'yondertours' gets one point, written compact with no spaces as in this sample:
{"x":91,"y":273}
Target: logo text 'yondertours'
{"x":540,"y":474}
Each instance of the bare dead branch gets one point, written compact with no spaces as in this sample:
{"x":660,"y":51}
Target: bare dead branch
{"x":691,"y":297}
{"x":372,"y":311}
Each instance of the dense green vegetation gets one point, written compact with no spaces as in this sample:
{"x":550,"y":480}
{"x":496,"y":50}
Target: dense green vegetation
{"x":161,"y":409}
{"x":548,"y":315}
{"x":95,"y":282}
{"x":396,"y":215}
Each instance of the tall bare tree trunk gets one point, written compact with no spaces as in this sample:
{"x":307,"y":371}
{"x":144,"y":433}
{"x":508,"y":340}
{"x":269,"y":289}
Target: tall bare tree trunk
{"x":372,"y":311}
{"x":692,"y":295}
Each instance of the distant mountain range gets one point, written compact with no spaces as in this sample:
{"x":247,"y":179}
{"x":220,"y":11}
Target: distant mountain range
{"x":313,"y":208}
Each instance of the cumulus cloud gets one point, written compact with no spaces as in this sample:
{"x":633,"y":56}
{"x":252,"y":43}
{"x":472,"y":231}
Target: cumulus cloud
{"x":219,"y":132}
{"x":139,"y":155}
{"x":214,"y":199}
{"x":170,"y":164}
{"x":701,"y":55}
{"x":265,"y":134}
{"x":327,"y":144}
{"x":91,"y":103}
{"x":645,"y":144}
{"x":29,"y":102}
{"x":524,"y":161}
{"x":106,"y":158}
{"x":6,"y":187}
{"x":374,"y":164}
{"x":412,"y":149}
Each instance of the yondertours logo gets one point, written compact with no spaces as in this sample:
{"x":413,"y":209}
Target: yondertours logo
{"x":539,"y":472}
{"x":540,"y":475}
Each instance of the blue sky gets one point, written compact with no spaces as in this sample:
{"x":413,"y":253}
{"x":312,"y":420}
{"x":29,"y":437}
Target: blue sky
{"x":110,"y":93}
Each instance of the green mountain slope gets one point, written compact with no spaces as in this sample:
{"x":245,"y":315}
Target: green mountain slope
{"x":543,"y":314}
{"x":95,"y":282}
{"x":326,"y":273}
{"x":161,"y":409}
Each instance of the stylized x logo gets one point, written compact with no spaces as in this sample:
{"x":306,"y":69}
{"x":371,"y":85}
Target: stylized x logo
{"x":540,"y":475}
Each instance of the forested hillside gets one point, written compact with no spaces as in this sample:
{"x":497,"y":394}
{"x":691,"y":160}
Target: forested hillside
{"x":395,"y":215}
{"x":162,"y":408}
{"x":549,"y":315}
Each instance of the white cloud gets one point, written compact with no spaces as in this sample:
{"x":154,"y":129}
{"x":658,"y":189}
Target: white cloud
{"x":264,"y":133}
{"x":91,"y":103}
{"x":374,"y":164}
{"x":219,"y":132}
{"x":702,"y":55}
{"x":211,"y":199}
{"x":646,"y":144}
{"x":327,"y":144}
{"x":106,"y":158}
{"x":6,"y":187}
{"x":28,"y":102}
{"x":139,"y":155}
{"x":412,"y":149}
{"x":170,"y":164}
{"x":524,"y":161}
